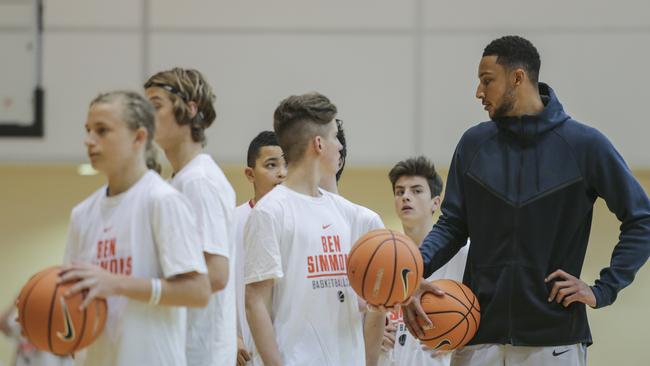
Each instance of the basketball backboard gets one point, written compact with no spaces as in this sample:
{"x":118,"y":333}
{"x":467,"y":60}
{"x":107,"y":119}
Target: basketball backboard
{"x":21,"y":95}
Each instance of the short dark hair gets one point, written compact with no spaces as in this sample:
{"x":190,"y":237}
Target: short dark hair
{"x":264,"y":138}
{"x":340,"y":134}
{"x":299,"y":118}
{"x":515,"y":51}
{"x":417,"y":167}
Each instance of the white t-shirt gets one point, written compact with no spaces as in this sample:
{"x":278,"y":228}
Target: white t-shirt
{"x":302,"y":243}
{"x":408,"y":349}
{"x":212,"y":330}
{"x":362,"y":219}
{"x":148,"y":231}
{"x":241,"y":217}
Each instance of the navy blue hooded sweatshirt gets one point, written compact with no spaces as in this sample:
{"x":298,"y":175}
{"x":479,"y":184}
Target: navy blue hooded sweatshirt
{"x":523,"y":189}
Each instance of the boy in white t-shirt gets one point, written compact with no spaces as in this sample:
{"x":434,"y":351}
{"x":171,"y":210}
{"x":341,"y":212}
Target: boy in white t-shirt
{"x":300,"y":307}
{"x":365,"y":221}
{"x":265,"y":169}
{"x":134,"y":242}
{"x":417,"y":188}
{"x":184,"y":109}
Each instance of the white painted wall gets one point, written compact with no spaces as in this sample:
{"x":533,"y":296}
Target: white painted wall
{"x":403,"y":73}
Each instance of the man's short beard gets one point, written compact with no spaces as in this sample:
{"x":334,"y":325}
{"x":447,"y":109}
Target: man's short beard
{"x":507,"y":104}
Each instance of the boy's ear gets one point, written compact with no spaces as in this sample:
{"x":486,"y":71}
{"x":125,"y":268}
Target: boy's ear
{"x":250,"y":174}
{"x":436,"y":202}
{"x":318,"y":144}
{"x":194,"y":108}
{"x":141,"y":135}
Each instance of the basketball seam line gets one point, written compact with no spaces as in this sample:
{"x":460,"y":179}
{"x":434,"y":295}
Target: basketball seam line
{"x":472,"y":303}
{"x":49,"y":319}
{"x":22,"y":314}
{"x":358,"y":245}
{"x":392,"y":283}
{"x":418,"y":275}
{"x":104,"y":309}
{"x":452,"y":328}
{"x":83,"y":329}
{"x":365,"y":272}
{"x":464,"y":317}
{"x":469,"y":310}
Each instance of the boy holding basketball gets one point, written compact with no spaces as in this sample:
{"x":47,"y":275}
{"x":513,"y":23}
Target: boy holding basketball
{"x":523,"y":186}
{"x":265,"y":169}
{"x":299,"y":304}
{"x":134,"y":242}
{"x":417,"y":187}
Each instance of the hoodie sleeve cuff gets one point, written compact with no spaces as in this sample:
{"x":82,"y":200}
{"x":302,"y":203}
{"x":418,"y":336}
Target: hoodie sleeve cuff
{"x":602,"y":298}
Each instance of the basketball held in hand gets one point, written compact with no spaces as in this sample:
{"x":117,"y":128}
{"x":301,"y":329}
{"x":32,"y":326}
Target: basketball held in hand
{"x":53,"y":322}
{"x":384,"y":267}
{"x":455,"y":316}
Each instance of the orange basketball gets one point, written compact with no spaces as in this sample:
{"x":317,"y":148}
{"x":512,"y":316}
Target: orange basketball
{"x":54,"y":323}
{"x":455,"y":316}
{"x":384,"y":267}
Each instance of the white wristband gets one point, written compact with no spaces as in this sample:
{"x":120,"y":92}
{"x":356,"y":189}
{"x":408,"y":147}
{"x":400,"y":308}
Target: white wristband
{"x":156,"y":291}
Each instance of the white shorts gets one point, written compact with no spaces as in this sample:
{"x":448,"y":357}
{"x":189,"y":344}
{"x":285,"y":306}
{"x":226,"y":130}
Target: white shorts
{"x":508,"y":355}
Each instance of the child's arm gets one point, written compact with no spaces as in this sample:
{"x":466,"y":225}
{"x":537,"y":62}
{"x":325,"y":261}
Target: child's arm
{"x":259,"y":296}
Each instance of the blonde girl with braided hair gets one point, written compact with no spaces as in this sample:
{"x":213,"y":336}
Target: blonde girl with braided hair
{"x":184,"y":104}
{"x":134,"y":242}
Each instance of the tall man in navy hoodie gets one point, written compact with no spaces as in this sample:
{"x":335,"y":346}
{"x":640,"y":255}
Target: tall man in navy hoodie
{"x":523,"y":186}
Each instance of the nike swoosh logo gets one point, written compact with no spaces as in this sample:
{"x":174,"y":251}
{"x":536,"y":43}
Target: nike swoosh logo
{"x":445,"y":342}
{"x":556,"y":353}
{"x":405,"y":281}
{"x":326,"y":226}
{"x":68,"y":334}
